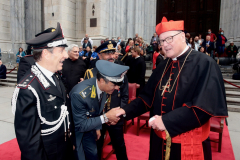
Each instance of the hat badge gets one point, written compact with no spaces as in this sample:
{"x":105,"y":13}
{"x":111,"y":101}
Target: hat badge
{"x":53,"y":30}
{"x":110,"y":46}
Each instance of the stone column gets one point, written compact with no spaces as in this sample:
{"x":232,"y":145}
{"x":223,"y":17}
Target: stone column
{"x":17,"y":25}
{"x":80,"y":20}
{"x":230,"y":20}
{"x":64,"y":13}
{"x":5,"y":26}
{"x":33,"y":19}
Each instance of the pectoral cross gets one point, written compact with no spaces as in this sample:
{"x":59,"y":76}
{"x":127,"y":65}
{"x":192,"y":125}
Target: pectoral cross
{"x":165,"y":87}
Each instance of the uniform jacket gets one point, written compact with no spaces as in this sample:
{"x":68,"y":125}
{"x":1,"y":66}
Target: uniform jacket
{"x":24,"y":65}
{"x":86,"y":111}
{"x":118,"y":97}
{"x":28,"y":125}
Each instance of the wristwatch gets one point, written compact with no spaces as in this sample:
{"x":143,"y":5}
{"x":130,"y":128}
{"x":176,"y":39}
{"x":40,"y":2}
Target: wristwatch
{"x":105,"y":118}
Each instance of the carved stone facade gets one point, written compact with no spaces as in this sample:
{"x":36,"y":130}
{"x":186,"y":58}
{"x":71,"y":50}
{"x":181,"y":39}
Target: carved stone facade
{"x":230,"y":20}
{"x":22,"y":19}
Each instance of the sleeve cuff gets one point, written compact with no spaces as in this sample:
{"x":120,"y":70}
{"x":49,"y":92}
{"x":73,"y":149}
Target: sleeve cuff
{"x":102,"y":119}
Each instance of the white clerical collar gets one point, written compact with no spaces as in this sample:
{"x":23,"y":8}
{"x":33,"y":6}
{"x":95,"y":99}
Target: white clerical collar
{"x":98,"y":90}
{"x":186,"y":48}
{"x":46,"y":72}
{"x":137,"y":57}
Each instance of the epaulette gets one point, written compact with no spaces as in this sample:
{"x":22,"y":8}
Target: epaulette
{"x":90,"y":90}
{"x":26,"y":81}
{"x":88,"y":74}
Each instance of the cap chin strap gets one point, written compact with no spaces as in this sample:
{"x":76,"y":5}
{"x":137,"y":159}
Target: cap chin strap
{"x":57,"y":43}
{"x":117,"y":79}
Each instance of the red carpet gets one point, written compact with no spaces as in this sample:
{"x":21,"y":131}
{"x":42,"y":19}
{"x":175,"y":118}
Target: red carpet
{"x":137,"y":146}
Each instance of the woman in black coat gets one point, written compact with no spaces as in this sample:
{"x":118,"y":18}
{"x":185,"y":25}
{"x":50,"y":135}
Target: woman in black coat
{"x":137,"y":69}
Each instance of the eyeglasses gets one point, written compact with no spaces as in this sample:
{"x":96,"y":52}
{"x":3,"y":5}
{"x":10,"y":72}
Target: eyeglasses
{"x":168,"y":39}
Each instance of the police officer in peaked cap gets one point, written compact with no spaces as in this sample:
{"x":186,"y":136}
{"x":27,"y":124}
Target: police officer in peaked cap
{"x":42,"y":120}
{"x":118,"y":98}
{"x":89,"y":99}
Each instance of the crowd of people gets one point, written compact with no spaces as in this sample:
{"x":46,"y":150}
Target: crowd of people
{"x":212,"y":44}
{"x":66,"y":100}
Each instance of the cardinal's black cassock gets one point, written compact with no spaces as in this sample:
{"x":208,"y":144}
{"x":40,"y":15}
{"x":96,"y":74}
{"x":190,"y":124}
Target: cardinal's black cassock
{"x":186,"y":92}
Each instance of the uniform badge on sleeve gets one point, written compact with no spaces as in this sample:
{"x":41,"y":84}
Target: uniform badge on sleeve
{"x":93,"y":94}
{"x":84,"y":93}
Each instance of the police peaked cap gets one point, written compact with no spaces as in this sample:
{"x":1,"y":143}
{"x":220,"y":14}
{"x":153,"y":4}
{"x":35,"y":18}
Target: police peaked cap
{"x":107,"y":47}
{"x":111,"y":71}
{"x":49,"y":38}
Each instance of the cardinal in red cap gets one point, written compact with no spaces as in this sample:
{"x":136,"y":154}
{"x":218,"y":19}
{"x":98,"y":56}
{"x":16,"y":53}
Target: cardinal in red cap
{"x":182,"y":94}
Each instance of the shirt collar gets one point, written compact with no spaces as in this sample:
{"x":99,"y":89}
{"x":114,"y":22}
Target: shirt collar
{"x":137,"y":57}
{"x":46,"y":72}
{"x":98,"y":90}
{"x":186,"y":48}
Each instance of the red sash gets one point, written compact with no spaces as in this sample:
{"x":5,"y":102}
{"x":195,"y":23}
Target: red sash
{"x":191,"y":142}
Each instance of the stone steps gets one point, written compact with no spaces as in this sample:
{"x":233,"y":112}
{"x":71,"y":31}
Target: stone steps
{"x":233,"y":101}
{"x":7,"y":84}
{"x":236,"y":82}
{"x":10,"y":80}
{"x":233,"y":94}
{"x":229,"y":87}
{"x":12,"y":76}
{"x":233,"y":108}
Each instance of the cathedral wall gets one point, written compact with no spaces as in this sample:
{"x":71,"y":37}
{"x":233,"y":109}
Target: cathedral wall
{"x":122,"y":18}
{"x":230,"y":20}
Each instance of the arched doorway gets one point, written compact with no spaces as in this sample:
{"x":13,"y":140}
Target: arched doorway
{"x":198,"y":15}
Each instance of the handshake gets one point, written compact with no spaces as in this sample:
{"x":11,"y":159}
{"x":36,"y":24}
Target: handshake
{"x":114,"y":114}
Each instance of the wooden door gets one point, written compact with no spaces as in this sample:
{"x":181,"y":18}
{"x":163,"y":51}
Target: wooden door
{"x":198,"y":15}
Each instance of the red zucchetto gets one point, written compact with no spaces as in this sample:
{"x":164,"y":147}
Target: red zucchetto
{"x":171,"y":25}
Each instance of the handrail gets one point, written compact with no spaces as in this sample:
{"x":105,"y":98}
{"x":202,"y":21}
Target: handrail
{"x":231,"y":83}
{"x":11,"y":70}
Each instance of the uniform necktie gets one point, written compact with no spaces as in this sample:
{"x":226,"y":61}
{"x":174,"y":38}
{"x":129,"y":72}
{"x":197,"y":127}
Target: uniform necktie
{"x":56,"y":80}
{"x":100,"y":99}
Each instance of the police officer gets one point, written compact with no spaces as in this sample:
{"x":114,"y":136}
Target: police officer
{"x":27,"y":61}
{"x":88,"y":100}
{"x":118,"y":98}
{"x":41,"y":117}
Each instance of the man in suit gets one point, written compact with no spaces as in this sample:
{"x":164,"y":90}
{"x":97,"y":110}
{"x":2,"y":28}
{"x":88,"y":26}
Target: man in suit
{"x":209,"y":46}
{"x":119,"y":97}
{"x":41,"y":117}
{"x":155,"y":41}
{"x":3,"y":70}
{"x":88,"y":100}
{"x":86,"y":44}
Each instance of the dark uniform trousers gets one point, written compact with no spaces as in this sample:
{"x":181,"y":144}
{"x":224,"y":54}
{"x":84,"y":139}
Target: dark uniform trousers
{"x":28,"y":126}
{"x":117,"y":139}
{"x":115,"y":132}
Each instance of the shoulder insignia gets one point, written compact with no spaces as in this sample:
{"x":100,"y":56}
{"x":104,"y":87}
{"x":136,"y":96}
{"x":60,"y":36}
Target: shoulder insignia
{"x":40,"y":76}
{"x":93,"y":94}
{"x":88,"y":74}
{"x":26,"y":81}
{"x":84,"y":93}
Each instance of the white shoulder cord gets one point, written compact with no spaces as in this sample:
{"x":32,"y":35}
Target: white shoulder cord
{"x":14,"y":99}
{"x":57,"y":123}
